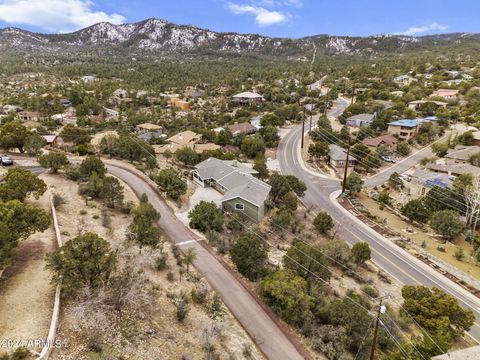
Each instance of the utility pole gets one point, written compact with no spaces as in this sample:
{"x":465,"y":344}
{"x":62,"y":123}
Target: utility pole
{"x":381,"y":310}
{"x":344,"y":183}
{"x":303,"y":129}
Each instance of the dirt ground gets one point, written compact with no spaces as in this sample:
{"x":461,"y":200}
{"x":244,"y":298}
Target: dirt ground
{"x":155,"y":334}
{"x":26,"y":295}
{"x":468,"y":265}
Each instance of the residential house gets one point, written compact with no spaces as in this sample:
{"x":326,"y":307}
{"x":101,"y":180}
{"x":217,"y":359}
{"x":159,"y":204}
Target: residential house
{"x":247,"y":98}
{"x":30,"y":116}
{"x":423,"y":180}
{"x":360,"y":120}
{"x":404,"y":80}
{"x":242,"y":129}
{"x":397,"y":93}
{"x":179,"y":104}
{"x":184,"y":139}
{"x":193,"y":93}
{"x":337,"y":157}
{"x":120,"y":93}
{"x":242,"y":192}
{"x":387,"y":140}
{"x":146,"y":127}
{"x":200,"y":148}
{"x":447,"y":94}
{"x":461,"y":154}
{"x":53,"y":140}
{"x":405,"y":129}
{"x":417,"y":104}
{"x":454,"y":169}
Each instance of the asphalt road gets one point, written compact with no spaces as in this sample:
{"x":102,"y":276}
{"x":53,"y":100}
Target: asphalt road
{"x":405,"y":268}
{"x":265,"y":332}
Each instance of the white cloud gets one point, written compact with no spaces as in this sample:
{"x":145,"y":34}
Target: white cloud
{"x":263,"y":17}
{"x":417,"y":30}
{"x":54,"y":15}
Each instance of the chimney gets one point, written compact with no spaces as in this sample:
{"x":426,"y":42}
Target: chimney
{"x":235,"y":163}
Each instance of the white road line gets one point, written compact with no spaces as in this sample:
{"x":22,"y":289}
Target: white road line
{"x":186,"y":242}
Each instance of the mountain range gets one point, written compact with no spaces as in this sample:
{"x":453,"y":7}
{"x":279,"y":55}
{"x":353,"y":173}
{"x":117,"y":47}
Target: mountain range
{"x":155,"y":36}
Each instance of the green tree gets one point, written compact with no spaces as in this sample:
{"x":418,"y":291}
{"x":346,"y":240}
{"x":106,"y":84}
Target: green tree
{"x":323,"y":223}
{"x":271,"y":119}
{"x":344,"y":312}
{"x":307,"y":261}
{"x":19,"y":183}
{"x":283,"y":217}
{"x":53,"y":161}
{"x":354,"y":183}
{"x":440,"y":149}
{"x":360,"y":151}
{"x":361,"y":252}
{"x":436,"y":311}
{"x":286,"y":293}
{"x":14,"y":135}
{"x":249,"y":254}
{"x":415,"y":210}
{"x":17,"y":222}
{"x":395,"y":182}
{"x":403,"y":148}
{"x":206,"y":216}
{"x":270,"y":136}
{"x":90,"y":165}
{"x":290,"y":201}
{"x":318,"y":149}
{"x":142,"y":230}
{"x":253,"y":145}
{"x":187,"y":156}
{"x":447,"y":223}
{"x":170,"y":182}
{"x":84,"y":261}
{"x":34,"y":144}
{"x":282,"y":184}
{"x":74,"y":134}
{"x":111,"y":192}
{"x":260,"y":165}
{"x":337,"y":251}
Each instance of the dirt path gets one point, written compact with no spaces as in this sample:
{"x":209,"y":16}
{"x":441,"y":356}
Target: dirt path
{"x":26,"y":296}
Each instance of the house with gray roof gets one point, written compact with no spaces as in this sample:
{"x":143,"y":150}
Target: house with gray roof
{"x":337,"y":156}
{"x":360,"y":120}
{"x":461,"y":154}
{"x":242,"y":191}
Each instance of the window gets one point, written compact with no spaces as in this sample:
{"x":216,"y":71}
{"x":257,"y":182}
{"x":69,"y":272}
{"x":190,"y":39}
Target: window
{"x":239,"y":206}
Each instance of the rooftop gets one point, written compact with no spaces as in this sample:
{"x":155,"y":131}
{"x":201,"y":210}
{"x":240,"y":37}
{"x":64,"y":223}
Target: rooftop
{"x":236,"y":178}
{"x":405,"y":122}
{"x":338,"y":153}
{"x":248,"y":95}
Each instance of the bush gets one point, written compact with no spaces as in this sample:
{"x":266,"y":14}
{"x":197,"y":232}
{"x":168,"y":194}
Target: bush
{"x":199,"y":293}
{"x":206,"y":216}
{"x":161,"y":261}
{"x":57,"y":201}
{"x":323,"y":223}
{"x":459,"y":254}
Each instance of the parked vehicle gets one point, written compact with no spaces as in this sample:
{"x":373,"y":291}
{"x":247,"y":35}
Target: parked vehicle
{"x":389,"y":159}
{"x":6,"y":160}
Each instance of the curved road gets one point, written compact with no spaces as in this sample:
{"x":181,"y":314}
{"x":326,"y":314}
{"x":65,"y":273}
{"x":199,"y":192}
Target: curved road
{"x":264,"y":331}
{"x":321,"y":195}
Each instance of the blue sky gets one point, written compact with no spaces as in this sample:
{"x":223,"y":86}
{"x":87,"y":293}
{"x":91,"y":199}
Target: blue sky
{"x":285,"y":18}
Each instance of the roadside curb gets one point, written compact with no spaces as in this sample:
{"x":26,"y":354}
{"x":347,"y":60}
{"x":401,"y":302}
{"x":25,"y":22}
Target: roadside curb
{"x":50,"y":343}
